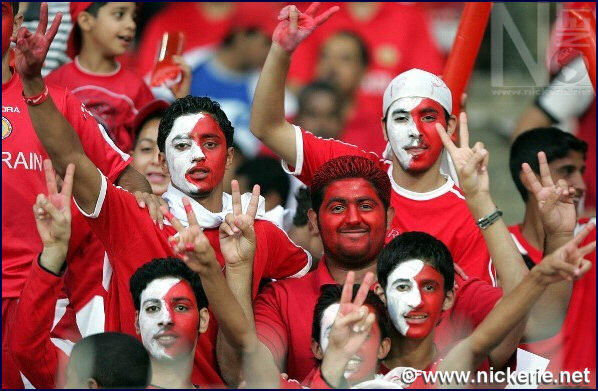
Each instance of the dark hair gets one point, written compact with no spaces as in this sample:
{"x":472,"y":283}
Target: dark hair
{"x":15,"y":7}
{"x":555,"y":143}
{"x":303,"y":198}
{"x":113,"y":360}
{"x":230,"y":36}
{"x":331,"y":294}
{"x":416,"y":245}
{"x":193,"y":105}
{"x":165,"y":267}
{"x":266,"y":172}
{"x":349,"y":167}
{"x":157,"y":115}
{"x":319,"y":86}
{"x":364,"y":55}
{"x":94,"y":8}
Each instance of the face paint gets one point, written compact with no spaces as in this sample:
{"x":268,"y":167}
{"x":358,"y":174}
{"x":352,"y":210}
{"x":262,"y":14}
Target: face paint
{"x":365,"y":361}
{"x":196,"y":154}
{"x":352,"y":220}
{"x":414,"y":294}
{"x":7,"y":25}
{"x":411,"y":126}
{"x":168,"y":318}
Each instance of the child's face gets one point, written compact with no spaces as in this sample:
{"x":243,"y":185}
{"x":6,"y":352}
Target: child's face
{"x":114,"y":28}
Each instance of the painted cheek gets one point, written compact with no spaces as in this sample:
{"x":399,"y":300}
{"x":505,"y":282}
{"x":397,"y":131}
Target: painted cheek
{"x":185,"y":324}
{"x":431,"y":303}
{"x":215,"y":158}
{"x":429,"y":135}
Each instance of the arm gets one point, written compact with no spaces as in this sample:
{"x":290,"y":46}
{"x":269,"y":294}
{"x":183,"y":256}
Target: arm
{"x":268,"y":121}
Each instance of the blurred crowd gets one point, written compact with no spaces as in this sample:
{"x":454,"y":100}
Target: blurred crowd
{"x":256,"y":195}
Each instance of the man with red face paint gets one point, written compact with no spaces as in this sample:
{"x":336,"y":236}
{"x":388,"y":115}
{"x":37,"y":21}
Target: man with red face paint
{"x":23,"y":179}
{"x":195,"y":140}
{"x":414,"y":102}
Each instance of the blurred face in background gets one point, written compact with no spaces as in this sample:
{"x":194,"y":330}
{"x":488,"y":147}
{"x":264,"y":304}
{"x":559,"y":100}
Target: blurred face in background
{"x":145,"y":157}
{"x":341,"y":63}
{"x":320,"y":114}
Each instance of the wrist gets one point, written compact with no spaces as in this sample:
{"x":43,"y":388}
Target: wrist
{"x":53,"y":257}
{"x":280,"y":52}
{"x":480,"y":204}
{"x":33,"y":85}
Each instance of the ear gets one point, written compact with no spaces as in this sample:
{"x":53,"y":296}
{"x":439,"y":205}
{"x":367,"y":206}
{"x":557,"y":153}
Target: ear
{"x":312,"y":217}
{"x":86,"y":21}
{"x":230,"y":154}
{"x":451,"y":125}
{"x":384,"y":348}
{"x":380,"y":292}
{"x":316,"y":349}
{"x":390,"y":215}
{"x":204,"y":320}
{"x":137,"y":329}
{"x":384,"y":132}
{"x":449,"y":300}
{"x":92,"y":383}
{"x":162,"y":162}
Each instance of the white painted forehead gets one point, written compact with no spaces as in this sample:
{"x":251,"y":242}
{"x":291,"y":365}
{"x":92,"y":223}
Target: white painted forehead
{"x":405,"y":104}
{"x":329,"y":315}
{"x":158,"y":288}
{"x":406,"y":271}
{"x":184,"y":124}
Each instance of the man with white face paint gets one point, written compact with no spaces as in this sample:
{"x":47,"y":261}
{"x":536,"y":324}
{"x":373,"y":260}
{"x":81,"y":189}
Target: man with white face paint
{"x":414,"y":103}
{"x":200,"y":151}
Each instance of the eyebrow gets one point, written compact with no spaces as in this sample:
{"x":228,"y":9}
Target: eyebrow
{"x":345,"y":201}
{"x":429,"y":110}
{"x":151,"y":301}
{"x":399,"y":111}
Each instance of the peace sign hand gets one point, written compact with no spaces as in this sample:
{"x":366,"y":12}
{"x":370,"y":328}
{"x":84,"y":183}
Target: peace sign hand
{"x":191,"y":244}
{"x":31,"y":48}
{"x":471,"y":163}
{"x":295,"y":26}
{"x":555,"y":202}
{"x":237,"y":234}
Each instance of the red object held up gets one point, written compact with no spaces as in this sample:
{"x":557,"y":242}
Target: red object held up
{"x":166,"y":71}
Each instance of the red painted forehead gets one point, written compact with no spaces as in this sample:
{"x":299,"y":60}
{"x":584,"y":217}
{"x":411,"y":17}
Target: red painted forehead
{"x":428,"y":273}
{"x":428,"y":104}
{"x":181,"y":291}
{"x":206,"y":126}
{"x":351,"y":189}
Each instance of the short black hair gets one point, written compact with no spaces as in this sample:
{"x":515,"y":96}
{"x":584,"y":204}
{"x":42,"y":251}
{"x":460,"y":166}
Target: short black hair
{"x":268,"y":173}
{"x":94,"y":8}
{"x":331,"y":294}
{"x":15,"y":7}
{"x":416,"y":245}
{"x":157,"y":115}
{"x":113,"y":360}
{"x":165,"y":267}
{"x":315,"y":87}
{"x":554,"y":142}
{"x":364,"y":55}
{"x":303,"y":205}
{"x":193,"y":105}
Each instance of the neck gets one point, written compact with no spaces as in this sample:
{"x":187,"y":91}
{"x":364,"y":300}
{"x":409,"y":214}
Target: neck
{"x":410,"y":352}
{"x":212,"y":201}
{"x":363,"y":11}
{"x":339,"y":273}
{"x":94,"y":61}
{"x":420,"y":182}
{"x":172,"y":373}
{"x":531,"y":228}
{"x":6,"y":73}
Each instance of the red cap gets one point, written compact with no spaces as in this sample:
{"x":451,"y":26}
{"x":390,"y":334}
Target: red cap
{"x":261,"y":15}
{"x":73,"y":43}
{"x":157,"y":106}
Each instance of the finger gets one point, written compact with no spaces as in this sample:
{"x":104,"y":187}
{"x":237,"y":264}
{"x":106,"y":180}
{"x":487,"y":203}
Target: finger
{"x":585,"y":250}
{"x":67,"y":183}
{"x":43,"y":19}
{"x":582,"y":234}
{"x":584,"y":267}
{"x":463,"y":101}
{"x":570,"y":270}
{"x":226,"y":229}
{"x":171,"y":219}
{"x":343,"y":320}
{"x":531,"y":180}
{"x":463,"y":130}
{"x":152,"y":208}
{"x":237,"y":208}
{"x":347,"y":292}
{"x":54,"y":28}
{"x":446,"y":139}
{"x":47,"y":206}
{"x":326,"y":15}
{"x":544,"y":170}
{"x":294,"y":17}
{"x":190,"y":213}
{"x":312,"y":9}
{"x":284,"y":13}
{"x":362,"y":293}
{"x":475,"y":161}
{"x":254,"y":202}
{"x":230,"y":220}
{"x":50,"y":177}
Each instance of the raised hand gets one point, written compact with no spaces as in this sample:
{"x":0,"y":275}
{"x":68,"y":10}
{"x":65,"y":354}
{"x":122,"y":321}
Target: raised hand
{"x":555,"y":202}
{"x":471,"y":163}
{"x":237,"y":235}
{"x":191,"y":244}
{"x":295,"y":26}
{"x":31,"y":48}
{"x":153,"y":203}
{"x":567,"y":262}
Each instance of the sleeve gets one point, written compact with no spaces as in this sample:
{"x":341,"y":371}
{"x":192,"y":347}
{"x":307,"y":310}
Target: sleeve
{"x":317,"y":381}
{"x":269,"y":324}
{"x":31,"y":346}
{"x":476,"y":298}
{"x":313,"y":151}
{"x":98,"y":146}
{"x":472,"y":255}
{"x":285,"y":258}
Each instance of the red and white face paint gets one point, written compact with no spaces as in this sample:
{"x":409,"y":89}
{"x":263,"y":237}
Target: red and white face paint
{"x":414,"y":296}
{"x":196,"y":154}
{"x":168,"y":318}
{"x":365,"y":362}
{"x":7,"y":25}
{"x":411,"y":128}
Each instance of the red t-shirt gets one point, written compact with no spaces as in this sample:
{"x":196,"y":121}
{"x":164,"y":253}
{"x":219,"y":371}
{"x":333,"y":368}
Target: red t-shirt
{"x":574,"y":348}
{"x":114,"y":98}
{"x":23,"y":177}
{"x":413,"y":211}
{"x":132,"y":239}
{"x":184,"y":17}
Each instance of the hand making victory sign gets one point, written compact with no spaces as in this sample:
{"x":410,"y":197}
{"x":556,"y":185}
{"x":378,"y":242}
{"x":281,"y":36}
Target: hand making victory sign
{"x":295,"y":26}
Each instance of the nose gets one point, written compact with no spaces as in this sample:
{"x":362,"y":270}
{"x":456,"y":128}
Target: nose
{"x":578,"y":183}
{"x":414,"y":299}
{"x":353,"y":216}
{"x":166,"y":319}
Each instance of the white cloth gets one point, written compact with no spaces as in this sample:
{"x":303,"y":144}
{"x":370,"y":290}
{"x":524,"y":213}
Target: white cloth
{"x":205,"y":218}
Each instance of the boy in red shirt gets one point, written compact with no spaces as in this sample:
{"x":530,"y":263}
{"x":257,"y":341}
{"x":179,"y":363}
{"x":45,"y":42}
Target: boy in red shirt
{"x":102,"y":32}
